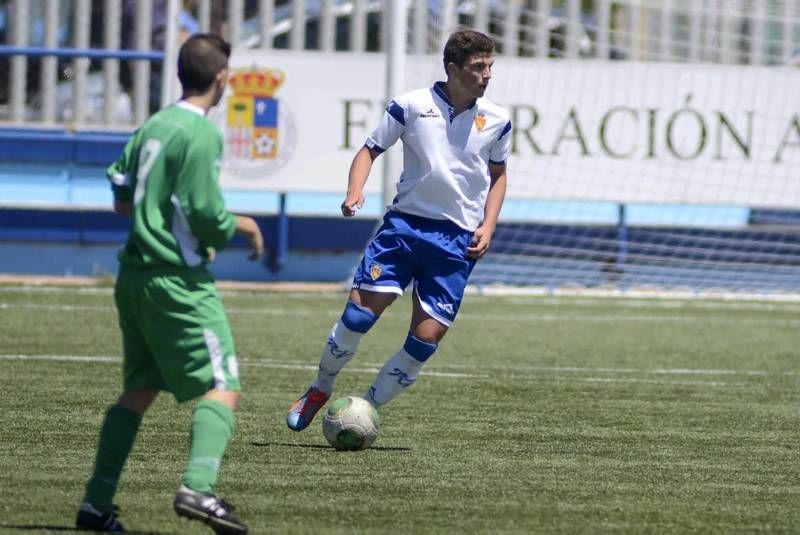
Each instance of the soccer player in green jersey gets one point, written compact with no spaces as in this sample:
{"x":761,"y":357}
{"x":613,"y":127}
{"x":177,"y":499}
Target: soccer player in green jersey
{"x":175,"y":333}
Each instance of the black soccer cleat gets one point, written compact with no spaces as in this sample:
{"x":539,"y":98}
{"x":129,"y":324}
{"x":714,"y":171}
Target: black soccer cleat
{"x":208,"y":508}
{"x":90,"y":519}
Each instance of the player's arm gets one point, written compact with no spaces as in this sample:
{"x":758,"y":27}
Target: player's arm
{"x":389,"y":130}
{"x":247,"y":227}
{"x":197,"y":188}
{"x":118,"y":174}
{"x":359,"y":173}
{"x":494,"y":202}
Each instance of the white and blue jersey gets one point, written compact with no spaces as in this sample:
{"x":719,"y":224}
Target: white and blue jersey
{"x":445,"y":157}
{"x":441,"y":196}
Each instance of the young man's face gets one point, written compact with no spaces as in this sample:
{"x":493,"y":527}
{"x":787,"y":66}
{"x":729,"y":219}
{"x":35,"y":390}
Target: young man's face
{"x":474,"y":76}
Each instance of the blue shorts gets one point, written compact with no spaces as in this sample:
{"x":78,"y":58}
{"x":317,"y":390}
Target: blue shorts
{"x":432,"y":252}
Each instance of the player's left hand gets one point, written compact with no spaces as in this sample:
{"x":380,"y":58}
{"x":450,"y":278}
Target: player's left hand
{"x":248,"y":227}
{"x":480,"y":243}
{"x":123,"y":207}
{"x":256,"y":246}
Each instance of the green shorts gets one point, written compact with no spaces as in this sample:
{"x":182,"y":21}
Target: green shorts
{"x":175,"y":335}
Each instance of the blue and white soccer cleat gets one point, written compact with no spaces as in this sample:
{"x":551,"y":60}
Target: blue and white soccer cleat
{"x":304,"y":409}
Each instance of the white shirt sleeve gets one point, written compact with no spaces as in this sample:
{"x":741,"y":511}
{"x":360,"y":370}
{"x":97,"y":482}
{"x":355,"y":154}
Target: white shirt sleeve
{"x":500,"y":149}
{"x":391,"y":127}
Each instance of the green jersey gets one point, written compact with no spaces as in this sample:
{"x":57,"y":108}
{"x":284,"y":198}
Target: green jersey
{"x":169,"y":170}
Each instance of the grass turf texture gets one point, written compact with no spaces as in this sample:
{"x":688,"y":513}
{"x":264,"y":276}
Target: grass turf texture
{"x":536,"y":414}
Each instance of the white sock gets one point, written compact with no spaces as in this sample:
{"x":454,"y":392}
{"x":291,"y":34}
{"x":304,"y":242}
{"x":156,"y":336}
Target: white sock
{"x":340,"y":348}
{"x":399,"y":372}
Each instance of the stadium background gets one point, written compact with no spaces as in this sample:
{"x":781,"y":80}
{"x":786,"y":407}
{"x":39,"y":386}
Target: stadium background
{"x":82,"y":75}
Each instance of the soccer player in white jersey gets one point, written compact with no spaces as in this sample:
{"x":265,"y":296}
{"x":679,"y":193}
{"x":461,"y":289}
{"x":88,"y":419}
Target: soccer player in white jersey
{"x":455,"y":146}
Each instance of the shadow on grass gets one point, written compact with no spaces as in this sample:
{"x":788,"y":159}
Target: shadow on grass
{"x":319,"y":446}
{"x":44,"y":527}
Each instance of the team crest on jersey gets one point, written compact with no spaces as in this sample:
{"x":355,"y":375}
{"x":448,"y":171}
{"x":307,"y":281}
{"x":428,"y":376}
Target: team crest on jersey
{"x":375,"y":271}
{"x":480,"y":121}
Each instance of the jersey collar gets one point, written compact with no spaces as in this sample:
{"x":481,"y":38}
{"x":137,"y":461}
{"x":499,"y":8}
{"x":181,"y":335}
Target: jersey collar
{"x":438,"y":90}
{"x":191,"y":107}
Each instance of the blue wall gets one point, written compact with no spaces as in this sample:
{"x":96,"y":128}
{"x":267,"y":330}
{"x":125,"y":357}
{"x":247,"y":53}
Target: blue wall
{"x":55,"y":219}
{"x":85,"y":242}
{"x":55,"y":216}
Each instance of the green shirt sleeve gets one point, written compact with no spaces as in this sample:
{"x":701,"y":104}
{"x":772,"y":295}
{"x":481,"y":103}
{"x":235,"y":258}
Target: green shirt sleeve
{"x":119,"y":172}
{"x":197,"y":187}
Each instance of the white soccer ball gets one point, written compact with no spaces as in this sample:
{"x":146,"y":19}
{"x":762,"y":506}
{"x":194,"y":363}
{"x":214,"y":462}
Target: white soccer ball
{"x":351,"y":423}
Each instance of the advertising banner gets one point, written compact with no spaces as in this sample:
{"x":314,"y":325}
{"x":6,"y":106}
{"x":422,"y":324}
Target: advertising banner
{"x":583,"y":130}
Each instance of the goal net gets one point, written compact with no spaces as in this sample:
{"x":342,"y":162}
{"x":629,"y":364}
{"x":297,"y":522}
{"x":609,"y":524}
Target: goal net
{"x":656,"y":143}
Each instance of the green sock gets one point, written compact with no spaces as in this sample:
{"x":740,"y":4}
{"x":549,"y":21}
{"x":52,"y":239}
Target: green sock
{"x":212,"y":427}
{"x":116,"y":440}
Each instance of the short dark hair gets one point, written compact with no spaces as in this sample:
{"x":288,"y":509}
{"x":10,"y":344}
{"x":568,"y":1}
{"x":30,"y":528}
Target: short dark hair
{"x":200,"y":58}
{"x":463,"y":45}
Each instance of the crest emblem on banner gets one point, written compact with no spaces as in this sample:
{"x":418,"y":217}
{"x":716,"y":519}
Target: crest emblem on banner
{"x":480,"y":121}
{"x":252,"y":118}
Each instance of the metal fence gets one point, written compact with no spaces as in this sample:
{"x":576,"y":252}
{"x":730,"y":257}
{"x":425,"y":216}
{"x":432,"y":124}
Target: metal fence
{"x":110,"y":63}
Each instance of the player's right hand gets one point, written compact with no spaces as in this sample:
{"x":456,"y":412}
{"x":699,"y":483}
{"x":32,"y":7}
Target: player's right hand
{"x":352,"y":204}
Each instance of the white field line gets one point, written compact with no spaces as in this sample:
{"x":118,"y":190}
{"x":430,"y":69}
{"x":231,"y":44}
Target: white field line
{"x":61,"y":308}
{"x":630,"y":371}
{"x":373,"y":369}
{"x":615,"y":318}
{"x":315,"y":290}
{"x":511,"y":317}
{"x":655,"y":303}
{"x":649,"y":381}
{"x":56,"y":290}
{"x":616,"y":300}
{"x":254,"y":294}
{"x":634,"y":293}
{"x":64,"y":358}
{"x":242,"y":362}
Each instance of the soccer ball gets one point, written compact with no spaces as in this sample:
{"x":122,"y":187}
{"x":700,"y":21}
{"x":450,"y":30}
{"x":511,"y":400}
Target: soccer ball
{"x":351,"y":423}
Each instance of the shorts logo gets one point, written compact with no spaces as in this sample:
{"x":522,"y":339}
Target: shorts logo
{"x":375,"y":271}
{"x":445,"y":307}
{"x":480,"y":121}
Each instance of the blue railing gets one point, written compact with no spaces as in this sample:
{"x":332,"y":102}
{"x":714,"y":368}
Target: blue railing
{"x":61,"y":145}
{"x":91,"y":53}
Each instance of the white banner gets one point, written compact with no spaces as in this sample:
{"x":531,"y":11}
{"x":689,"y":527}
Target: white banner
{"x":583,"y":130}
{"x":306,"y":112}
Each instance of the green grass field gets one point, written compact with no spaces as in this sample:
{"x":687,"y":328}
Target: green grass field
{"x":537,"y":414}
